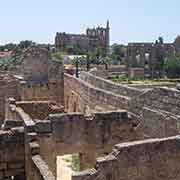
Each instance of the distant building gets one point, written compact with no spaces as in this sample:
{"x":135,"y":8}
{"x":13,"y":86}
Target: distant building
{"x":150,"y":55}
{"x":95,"y":37}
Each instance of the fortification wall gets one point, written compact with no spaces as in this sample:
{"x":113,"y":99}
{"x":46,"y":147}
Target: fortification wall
{"x":109,"y":85}
{"x":156,"y":159}
{"x":79,"y":95}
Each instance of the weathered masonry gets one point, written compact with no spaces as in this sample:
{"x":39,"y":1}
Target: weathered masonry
{"x":116,"y":131}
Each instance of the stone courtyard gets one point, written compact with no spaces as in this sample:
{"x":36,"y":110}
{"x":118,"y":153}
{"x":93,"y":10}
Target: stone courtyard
{"x":57,"y":126}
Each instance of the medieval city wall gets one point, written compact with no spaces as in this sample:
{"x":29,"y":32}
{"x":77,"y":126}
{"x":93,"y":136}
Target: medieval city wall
{"x":148,"y":159}
{"x":80,"y":94}
{"x":109,"y":85}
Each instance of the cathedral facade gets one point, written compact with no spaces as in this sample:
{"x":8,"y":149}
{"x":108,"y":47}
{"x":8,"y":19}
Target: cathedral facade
{"x":94,"y":38}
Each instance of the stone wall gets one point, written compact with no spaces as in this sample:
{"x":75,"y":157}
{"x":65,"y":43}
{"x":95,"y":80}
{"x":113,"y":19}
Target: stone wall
{"x":39,"y":109}
{"x":156,"y":159}
{"x":35,"y":167}
{"x":12,"y":155}
{"x":155,"y":110}
{"x":166,"y":99}
{"x":8,"y":88}
{"x":35,"y":109}
{"x":89,"y":136}
{"x":79,"y":95}
{"x":109,"y":85}
{"x":35,"y":65}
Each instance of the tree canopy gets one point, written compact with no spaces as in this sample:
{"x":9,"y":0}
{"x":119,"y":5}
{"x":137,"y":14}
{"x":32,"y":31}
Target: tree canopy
{"x":172,"y":66}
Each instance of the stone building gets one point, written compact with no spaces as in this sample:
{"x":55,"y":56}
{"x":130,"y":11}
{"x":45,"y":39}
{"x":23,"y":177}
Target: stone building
{"x":149,"y":55}
{"x":94,"y":37}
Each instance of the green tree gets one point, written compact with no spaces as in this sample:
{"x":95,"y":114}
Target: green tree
{"x":118,"y":53}
{"x":161,"y":40}
{"x":106,"y":61}
{"x":58,"y":56}
{"x":25,"y":44}
{"x":172,"y":67}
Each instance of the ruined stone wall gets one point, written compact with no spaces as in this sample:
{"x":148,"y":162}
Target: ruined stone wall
{"x":109,"y":85}
{"x":35,"y":65}
{"x":79,"y":95}
{"x":34,"y":167}
{"x":166,"y":99}
{"x":42,"y":92}
{"x":12,"y":155}
{"x":42,"y":78}
{"x":156,"y":123}
{"x":156,"y":110}
{"x":90,"y":136}
{"x":8,"y":88}
{"x":39,"y":109}
{"x":156,"y":159}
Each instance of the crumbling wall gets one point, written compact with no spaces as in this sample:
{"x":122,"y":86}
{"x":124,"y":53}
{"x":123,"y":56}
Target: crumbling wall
{"x":156,"y":159}
{"x":39,"y":109}
{"x":90,"y":136}
{"x":8,"y":88}
{"x":42,"y":78}
{"x":35,"y":167}
{"x":35,"y":65}
{"x":42,"y":92}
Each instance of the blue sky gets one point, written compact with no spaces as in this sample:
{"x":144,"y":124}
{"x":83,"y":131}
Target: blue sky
{"x":130,"y":20}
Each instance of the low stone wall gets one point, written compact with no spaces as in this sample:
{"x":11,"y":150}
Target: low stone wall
{"x":109,"y":85}
{"x":156,"y":159}
{"x":35,"y":109}
{"x":39,"y":109}
{"x":51,"y":91}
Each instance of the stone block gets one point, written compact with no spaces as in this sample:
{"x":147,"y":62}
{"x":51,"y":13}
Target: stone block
{"x":43,"y":126}
{"x":34,"y":148}
{"x":30,"y":137}
{"x":12,"y":123}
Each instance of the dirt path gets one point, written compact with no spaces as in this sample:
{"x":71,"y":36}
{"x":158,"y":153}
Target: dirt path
{"x":64,"y":171}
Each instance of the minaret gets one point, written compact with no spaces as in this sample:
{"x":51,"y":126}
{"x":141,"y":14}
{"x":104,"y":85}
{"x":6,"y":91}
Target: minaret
{"x":107,"y":37}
